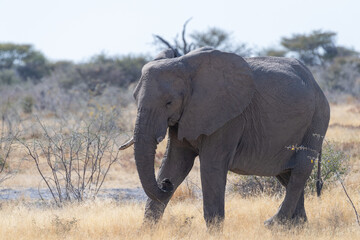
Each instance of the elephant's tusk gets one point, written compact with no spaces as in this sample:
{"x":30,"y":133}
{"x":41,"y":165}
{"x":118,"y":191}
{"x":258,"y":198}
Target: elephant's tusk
{"x":127,"y":144}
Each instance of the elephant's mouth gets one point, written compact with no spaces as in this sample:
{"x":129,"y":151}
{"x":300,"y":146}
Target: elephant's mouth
{"x":172,"y":122}
{"x":174,"y":119}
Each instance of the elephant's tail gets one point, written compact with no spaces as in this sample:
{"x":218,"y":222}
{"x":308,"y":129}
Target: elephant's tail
{"x":319,"y":182}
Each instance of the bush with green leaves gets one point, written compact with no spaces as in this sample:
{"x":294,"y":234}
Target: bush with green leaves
{"x":248,"y":186}
{"x":334,"y":164}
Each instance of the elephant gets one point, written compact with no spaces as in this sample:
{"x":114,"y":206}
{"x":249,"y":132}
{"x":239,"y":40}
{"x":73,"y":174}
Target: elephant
{"x":263,"y":116}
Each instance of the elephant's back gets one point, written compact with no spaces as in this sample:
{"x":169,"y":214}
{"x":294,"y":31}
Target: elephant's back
{"x":283,"y":81}
{"x":280,"y":72}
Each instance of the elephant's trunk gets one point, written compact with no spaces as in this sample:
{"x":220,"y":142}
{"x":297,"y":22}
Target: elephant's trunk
{"x":145,"y":145}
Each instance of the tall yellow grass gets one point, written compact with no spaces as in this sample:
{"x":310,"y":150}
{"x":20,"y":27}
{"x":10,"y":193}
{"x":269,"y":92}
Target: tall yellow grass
{"x":330,"y":217}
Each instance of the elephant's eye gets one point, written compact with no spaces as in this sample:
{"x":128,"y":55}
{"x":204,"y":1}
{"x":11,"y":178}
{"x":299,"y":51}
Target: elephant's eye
{"x":168,"y":104}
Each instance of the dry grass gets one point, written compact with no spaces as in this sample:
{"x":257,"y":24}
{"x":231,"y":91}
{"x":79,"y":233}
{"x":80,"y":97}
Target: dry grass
{"x":344,"y":123}
{"x":330,"y":217}
{"x":345,"y":114}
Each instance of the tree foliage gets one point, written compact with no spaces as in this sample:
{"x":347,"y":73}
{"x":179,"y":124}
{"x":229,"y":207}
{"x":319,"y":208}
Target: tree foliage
{"x":24,"y":60}
{"x":101,"y":71}
{"x":314,"y":48}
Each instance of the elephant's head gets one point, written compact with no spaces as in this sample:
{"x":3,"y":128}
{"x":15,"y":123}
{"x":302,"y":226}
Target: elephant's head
{"x":198,"y":93}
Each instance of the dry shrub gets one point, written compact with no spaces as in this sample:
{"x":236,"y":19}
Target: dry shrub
{"x":248,"y":186}
{"x":74,"y":162}
{"x":186,"y":191}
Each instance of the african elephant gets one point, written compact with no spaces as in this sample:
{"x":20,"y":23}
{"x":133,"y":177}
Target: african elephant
{"x":262,"y":116}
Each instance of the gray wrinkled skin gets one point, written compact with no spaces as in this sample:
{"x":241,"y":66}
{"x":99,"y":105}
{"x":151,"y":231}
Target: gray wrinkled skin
{"x":235,"y":114}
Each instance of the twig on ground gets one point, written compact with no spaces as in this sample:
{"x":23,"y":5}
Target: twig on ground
{"x":351,"y":202}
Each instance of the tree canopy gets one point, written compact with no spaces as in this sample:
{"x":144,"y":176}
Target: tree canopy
{"x":314,"y":48}
{"x":24,"y":60}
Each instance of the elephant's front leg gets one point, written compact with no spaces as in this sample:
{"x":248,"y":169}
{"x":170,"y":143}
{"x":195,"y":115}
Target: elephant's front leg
{"x":213,"y":181}
{"x":176,"y":165}
{"x":216,"y":152}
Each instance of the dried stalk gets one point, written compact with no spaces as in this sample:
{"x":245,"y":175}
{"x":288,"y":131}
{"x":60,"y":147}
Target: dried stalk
{"x":347,"y":195}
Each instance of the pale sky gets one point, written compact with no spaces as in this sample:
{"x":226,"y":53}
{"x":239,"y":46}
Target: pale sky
{"x":78,"y":29}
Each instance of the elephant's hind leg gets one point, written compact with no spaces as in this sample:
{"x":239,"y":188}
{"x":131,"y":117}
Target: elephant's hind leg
{"x":299,"y":216}
{"x":292,"y":209}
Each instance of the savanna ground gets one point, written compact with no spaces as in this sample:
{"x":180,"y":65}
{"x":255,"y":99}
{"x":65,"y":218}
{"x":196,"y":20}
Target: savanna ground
{"x":330,"y":217}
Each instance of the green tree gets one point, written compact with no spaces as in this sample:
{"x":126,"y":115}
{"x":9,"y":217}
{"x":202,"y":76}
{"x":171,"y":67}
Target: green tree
{"x":34,"y":66}
{"x":346,"y":52}
{"x":99,"y":72}
{"x":120,"y":71}
{"x":11,"y":54}
{"x":25,"y":60}
{"x":313,"y":49}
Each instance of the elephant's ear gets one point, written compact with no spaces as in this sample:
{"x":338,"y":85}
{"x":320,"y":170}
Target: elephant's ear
{"x":222,"y":87}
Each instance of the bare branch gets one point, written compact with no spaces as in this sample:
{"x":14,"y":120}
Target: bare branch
{"x":176,"y":52}
{"x":35,"y":157}
{"x":185,"y":45}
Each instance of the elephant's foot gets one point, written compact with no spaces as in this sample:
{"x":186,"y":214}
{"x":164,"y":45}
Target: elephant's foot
{"x":153,"y":212}
{"x":275,"y":220}
{"x":150,"y":221}
{"x":299,"y":218}
{"x":151,"y":217}
{"x":296,"y":220}
{"x":215,"y":225}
